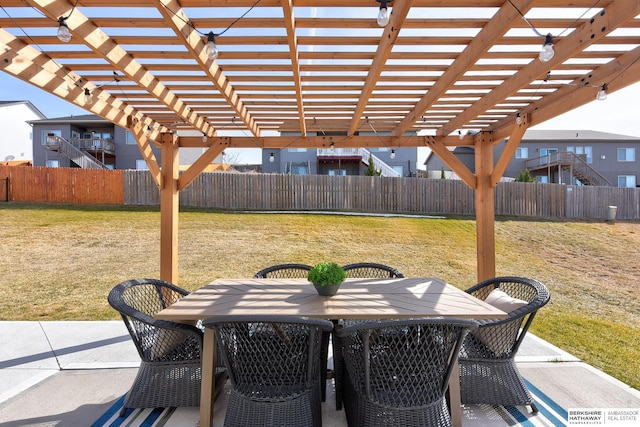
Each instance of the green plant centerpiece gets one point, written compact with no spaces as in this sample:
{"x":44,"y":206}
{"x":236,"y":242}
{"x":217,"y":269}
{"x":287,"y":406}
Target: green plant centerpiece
{"x":326,"y":277}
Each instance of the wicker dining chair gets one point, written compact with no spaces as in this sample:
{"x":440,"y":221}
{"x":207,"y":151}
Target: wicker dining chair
{"x":284,"y":271}
{"x":371,"y":270}
{"x":488,"y":372}
{"x":170,"y":371}
{"x":360,"y":270}
{"x":273,"y":364}
{"x":397,"y":371}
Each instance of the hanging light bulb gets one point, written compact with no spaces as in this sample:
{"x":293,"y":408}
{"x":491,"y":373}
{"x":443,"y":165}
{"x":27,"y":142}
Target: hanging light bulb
{"x":383,"y":15}
{"x":547,"y":51}
{"x":393,"y":154}
{"x":460,"y":135}
{"x":148,"y":132}
{"x":63,"y":31}
{"x":518,"y":118}
{"x":332,"y":147}
{"x":212,"y":49}
{"x":272,"y":158}
{"x":204,"y":137}
{"x":88,"y":98}
{"x":602,"y":93}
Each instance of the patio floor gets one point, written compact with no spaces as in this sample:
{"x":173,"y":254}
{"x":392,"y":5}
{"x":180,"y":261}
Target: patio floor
{"x":71,"y":373}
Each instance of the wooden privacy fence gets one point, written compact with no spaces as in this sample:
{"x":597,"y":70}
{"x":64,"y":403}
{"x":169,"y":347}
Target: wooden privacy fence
{"x":319,"y":192}
{"x":64,"y":185}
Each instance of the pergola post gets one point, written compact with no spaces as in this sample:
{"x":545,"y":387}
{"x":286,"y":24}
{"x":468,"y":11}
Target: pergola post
{"x":169,"y":208}
{"x":485,"y":207}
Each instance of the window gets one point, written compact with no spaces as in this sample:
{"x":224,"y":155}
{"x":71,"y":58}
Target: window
{"x":337,"y":172}
{"x":585,"y":151}
{"x":542,"y":179}
{"x":522,"y":153}
{"x":626,"y":154}
{"x":297,"y":150}
{"x":626,"y":181}
{"x":299,"y":170}
{"x":141,"y":165}
{"x":52,"y":164}
{"x":129,"y":138}
{"x":75,"y":134}
{"x":399,"y":169}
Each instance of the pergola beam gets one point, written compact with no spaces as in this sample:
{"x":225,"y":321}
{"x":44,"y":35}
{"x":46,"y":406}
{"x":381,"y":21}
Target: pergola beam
{"x":290,"y":24}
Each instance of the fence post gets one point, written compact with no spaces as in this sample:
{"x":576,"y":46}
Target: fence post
{"x":6,"y":186}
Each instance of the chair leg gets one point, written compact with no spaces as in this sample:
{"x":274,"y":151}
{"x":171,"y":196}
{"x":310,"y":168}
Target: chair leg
{"x":534,"y":408}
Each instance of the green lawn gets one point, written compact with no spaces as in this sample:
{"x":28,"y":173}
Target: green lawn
{"x":59,"y":262}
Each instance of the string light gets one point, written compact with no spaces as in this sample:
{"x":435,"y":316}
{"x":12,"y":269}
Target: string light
{"x":383,"y":14}
{"x":148,"y":132}
{"x":602,"y":93}
{"x":460,"y":135}
{"x":204,"y":137}
{"x":88,"y":98}
{"x":547,"y":52}
{"x":64,"y":35}
{"x":211,"y":49}
{"x":518,"y":118}
{"x":332,"y":146}
{"x":272,"y":158}
{"x":393,"y":154}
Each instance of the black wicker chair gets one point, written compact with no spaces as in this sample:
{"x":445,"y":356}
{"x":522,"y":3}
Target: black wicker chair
{"x":361,"y":270}
{"x":284,"y":271}
{"x":170,"y":373}
{"x":371,"y":270}
{"x":488,"y":372}
{"x":397,"y":371}
{"x":273,"y":364}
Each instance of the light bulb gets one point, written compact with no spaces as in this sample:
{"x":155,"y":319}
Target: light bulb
{"x":332,"y":147}
{"x":460,"y":135}
{"x":602,"y":93}
{"x":393,"y":154}
{"x":88,"y":98}
{"x":212,"y":49}
{"x":518,"y":119}
{"x":148,"y":132}
{"x":272,"y":158}
{"x":383,"y":15}
{"x":204,"y":137}
{"x":63,"y":31}
{"x":547,"y":51}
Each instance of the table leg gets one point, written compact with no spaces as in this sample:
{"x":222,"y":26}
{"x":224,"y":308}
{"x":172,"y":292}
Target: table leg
{"x":455,"y":406}
{"x":208,"y":378}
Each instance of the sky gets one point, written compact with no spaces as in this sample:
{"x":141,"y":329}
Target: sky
{"x":617,"y":114}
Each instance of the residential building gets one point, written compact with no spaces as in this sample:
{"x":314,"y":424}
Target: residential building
{"x":16,"y":143}
{"x":91,"y":142}
{"x":340,"y":161}
{"x":574,"y":157}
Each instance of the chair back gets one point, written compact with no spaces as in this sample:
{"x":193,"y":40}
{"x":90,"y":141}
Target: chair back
{"x":284,"y":271}
{"x":371,"y":270}
{"x":270,"y":357}
{"x":402,"y":363}
{"x":137,"y":301}
{"x":501,"y":338}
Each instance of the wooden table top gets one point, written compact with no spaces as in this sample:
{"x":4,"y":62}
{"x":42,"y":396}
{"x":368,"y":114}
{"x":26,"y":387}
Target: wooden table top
{"x":356,"y":299}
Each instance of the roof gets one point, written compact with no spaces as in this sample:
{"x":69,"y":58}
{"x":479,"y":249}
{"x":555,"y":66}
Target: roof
{"x":27,"y":103}
{"x":574,"y":134}
{"x":324,"y":66}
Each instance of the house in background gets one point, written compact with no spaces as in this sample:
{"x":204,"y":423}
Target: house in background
{"x":394,"y":162}
{"x":88,"y":141}
{"x":16,"y":144}
{"x":571,"y":157}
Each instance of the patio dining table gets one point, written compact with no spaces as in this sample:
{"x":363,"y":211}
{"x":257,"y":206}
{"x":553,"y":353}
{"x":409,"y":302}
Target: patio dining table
{"x":356,"y":299}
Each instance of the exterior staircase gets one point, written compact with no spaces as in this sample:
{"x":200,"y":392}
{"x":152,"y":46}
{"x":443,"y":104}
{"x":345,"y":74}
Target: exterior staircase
{"x":76,"y":155}
{"x":575,"y":164}
{"x":363,"y":153}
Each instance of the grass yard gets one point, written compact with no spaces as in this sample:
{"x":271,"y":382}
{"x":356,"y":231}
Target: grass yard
{"x":59,"y":262}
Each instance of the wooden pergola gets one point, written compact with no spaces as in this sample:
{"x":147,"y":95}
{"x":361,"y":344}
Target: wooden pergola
{"x":323,"y":70}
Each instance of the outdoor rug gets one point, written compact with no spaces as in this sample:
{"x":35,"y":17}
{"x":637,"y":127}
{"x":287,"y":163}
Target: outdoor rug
{"x":550,"y":415}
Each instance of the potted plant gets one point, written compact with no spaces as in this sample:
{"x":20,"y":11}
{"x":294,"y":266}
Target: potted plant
{"x":326,"y":277}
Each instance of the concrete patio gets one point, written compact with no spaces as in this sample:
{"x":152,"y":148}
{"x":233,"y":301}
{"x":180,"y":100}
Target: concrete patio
{"x":70,"y":373}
